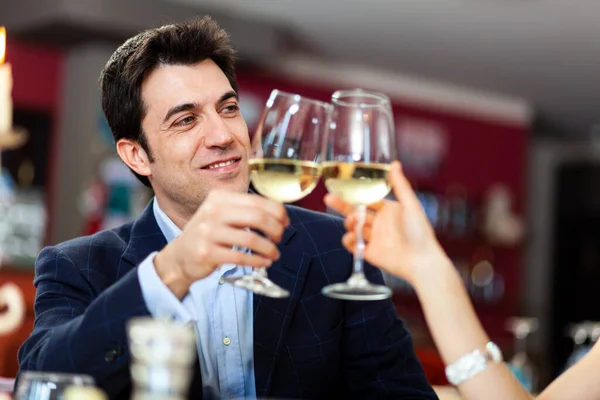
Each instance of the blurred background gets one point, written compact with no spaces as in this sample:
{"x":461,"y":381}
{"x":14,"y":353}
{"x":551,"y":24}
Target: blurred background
{"x":497,"y":111}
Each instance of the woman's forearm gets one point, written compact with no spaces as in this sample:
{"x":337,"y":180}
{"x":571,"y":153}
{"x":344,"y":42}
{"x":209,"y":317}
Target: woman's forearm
{"x":457,"y":331}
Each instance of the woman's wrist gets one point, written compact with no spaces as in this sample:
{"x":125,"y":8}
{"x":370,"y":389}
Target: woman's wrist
{"x":436,"y":273}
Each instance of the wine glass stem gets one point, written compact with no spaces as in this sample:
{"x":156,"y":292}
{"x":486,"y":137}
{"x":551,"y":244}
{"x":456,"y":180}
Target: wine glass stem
{"x":520,"y":345}
{"x":359,"y":250}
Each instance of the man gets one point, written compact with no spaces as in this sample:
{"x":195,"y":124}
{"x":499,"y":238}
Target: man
{"x":170,"y":98}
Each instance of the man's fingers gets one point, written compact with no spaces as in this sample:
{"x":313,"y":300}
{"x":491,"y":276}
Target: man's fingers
{"x":222,"y":255}
{"x":226,"y":200}
{"x":229,"y":237}
{"x":253,"y":218}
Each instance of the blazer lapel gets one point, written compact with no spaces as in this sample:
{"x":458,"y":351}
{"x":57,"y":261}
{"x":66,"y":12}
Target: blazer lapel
{"x":145,"y":237}
{"x":272,"y":316}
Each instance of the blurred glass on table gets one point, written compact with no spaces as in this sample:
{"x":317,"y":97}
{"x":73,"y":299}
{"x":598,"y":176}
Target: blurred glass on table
{"x":48,"y":385}
{"x":162,"y":358}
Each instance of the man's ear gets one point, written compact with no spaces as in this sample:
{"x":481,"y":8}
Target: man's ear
{"x":136,"y":158}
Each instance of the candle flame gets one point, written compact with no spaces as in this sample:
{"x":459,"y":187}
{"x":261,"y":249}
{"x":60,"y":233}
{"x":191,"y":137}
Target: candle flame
{"x":2,"y":44}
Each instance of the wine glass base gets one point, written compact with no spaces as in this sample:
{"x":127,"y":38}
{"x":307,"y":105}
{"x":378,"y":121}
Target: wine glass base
{"x":346,"y":291}
{"x":259,"y":285}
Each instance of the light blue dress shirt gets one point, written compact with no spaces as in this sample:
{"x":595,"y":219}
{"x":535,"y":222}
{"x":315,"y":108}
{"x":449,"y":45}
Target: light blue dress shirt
{"x":222,"y":314}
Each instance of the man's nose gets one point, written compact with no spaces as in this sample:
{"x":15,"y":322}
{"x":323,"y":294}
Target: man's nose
{"x":218,"y":133}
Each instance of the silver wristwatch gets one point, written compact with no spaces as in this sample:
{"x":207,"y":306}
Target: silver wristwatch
{"x":473,"y":363}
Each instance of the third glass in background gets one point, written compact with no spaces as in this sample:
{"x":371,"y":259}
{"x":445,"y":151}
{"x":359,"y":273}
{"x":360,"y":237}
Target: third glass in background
{"x":520,"y":364}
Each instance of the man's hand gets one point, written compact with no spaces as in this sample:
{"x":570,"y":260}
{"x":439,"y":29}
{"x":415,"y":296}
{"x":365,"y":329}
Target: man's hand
{"x":218,"y":225}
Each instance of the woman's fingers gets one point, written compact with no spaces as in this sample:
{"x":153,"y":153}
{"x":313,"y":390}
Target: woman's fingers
{"x":349,"y":241}
{"x":375,"y":207}
{"x":338,"y":204}
{"x":351,"y":220}
{"x":402,"y":188}
{"x":350,"y":225}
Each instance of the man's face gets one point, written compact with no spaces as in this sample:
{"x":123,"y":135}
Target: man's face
{"x":195,"y":132}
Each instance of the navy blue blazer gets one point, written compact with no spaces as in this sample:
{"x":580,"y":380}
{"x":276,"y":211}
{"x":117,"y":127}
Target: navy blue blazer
{"x":305,"y":346}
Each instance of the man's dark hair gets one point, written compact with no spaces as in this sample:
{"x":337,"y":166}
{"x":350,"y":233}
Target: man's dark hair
{"x":121,"y":79}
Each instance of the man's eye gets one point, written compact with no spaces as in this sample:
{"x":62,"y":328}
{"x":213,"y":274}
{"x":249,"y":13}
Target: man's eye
{"x":231,"y":109}
{"x":185,"y":121}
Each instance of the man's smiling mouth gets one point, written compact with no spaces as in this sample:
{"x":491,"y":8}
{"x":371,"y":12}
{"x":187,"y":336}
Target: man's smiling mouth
{"x":220,"y":164}
{"x":224,"y":163}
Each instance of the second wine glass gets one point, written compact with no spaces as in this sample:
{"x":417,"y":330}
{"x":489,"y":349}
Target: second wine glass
{"x":284,"y":162}
{"x":357,"y":153}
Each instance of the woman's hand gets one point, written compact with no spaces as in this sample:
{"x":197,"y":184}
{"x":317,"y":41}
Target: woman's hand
{"x":399,"y":238}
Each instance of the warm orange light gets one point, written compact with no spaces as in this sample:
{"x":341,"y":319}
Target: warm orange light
{"x":2,"y":44}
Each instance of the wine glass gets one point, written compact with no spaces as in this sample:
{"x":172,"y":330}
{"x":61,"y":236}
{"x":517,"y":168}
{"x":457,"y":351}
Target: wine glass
{"x":357,"y":152}
{"x":581,"y":334}
{"x":520,"y":363}
{"x":48,"y":385}
{"x":284,"y":162}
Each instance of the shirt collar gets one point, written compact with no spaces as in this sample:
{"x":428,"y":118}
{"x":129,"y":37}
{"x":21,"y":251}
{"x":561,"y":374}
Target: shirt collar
{"x":166,"y":225}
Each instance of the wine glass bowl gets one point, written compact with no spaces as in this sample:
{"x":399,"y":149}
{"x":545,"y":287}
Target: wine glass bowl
{"x":285,"y":148}
{"x":359,"y":147}
{"x":357,"y":152}
{"x":357,"y":183}
{"x":284,"y":162}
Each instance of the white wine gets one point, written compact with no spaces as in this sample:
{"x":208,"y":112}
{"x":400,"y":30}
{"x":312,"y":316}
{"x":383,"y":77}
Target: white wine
{"x":357,"y":183}
{"x":284,"y":180}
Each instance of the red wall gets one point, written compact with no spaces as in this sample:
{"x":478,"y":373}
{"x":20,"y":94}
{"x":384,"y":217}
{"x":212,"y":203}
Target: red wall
{"x":37,"y":74}
{"x":38,"y":78}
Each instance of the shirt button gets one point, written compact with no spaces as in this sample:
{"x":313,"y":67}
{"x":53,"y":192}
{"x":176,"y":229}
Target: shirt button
{"x":221,"y":281}
{"x":226,"y":341}
{"x":112,"y":354}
